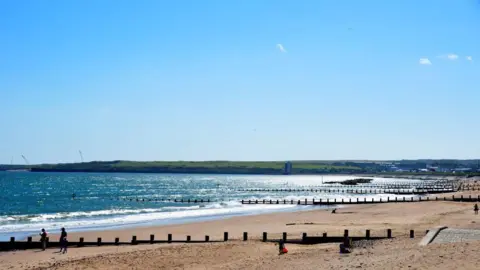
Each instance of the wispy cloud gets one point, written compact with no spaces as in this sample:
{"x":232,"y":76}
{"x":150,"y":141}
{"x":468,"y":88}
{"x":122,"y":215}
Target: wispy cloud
{"x":281,"y":48}
{"x":424,"y":61}
{"x":469,"y":58}
{"x":450,"y":56}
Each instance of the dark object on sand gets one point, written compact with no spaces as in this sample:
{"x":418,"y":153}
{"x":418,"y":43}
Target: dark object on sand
{"x":343,"y":249}
{"x":281,"y":248}
{"x":334,"y":211}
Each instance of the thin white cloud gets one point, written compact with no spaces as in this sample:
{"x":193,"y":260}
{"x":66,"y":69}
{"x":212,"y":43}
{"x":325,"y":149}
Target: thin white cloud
{"x":281,"y":48}
{"x":424,"y":61}
{"x":450,"y":56}
{"x":469,"y":58}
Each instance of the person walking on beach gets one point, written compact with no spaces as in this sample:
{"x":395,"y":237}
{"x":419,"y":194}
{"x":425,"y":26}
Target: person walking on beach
{"x":475,"y":209}
{"x":43,"y":239}
{"x":63,"y":241}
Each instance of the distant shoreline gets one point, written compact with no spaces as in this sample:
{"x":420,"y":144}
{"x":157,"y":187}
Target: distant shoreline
{"x":406,"y":175}
{"x":249,"y":168}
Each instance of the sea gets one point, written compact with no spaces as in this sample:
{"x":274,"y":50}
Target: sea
{"x":30,"y":201}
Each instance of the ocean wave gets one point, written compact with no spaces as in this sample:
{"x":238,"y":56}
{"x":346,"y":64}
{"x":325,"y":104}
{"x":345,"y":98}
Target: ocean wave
{"x":112,"y":218}
{"x":67,"y":215}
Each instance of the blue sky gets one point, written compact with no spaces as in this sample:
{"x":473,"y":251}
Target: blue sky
{"x":206,"y":80}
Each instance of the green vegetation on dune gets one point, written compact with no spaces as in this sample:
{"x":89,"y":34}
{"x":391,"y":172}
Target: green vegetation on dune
{"x":227,"y":167}
{"x":391,"y":168}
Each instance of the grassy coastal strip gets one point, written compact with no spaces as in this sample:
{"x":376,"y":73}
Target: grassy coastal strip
{"x":236,"y":167}
{"x":213,"y":167}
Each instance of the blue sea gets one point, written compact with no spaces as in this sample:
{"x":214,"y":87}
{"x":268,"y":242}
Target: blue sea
{"x":31,"y":201}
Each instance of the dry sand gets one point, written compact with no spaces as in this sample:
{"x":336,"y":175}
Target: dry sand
{"x":397,"y":253}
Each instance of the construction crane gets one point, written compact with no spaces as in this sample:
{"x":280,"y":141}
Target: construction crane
{"x":26,"y":160}
{"x":81,"y":155}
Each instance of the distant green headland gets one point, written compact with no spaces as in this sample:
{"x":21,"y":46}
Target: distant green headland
{"x":400,"y":167}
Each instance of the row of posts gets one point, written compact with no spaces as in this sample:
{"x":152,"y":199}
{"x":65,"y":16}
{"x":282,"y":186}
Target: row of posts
{"x":225,"y":237}
{"x":375,"y":191}
{"x":358,"y":201}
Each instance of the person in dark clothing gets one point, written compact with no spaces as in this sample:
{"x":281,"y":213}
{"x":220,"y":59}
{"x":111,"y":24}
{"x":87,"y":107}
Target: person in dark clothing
{"x":63,"y":241}
{"x":475,"y":209}
{"x":43,"y":239}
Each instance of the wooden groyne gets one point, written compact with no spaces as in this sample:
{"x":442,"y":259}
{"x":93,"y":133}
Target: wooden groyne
{"x":13,"y":244}
{"x":364,"y":200}
{"x":358,"y":190}
{"x":327,"y":201}
{"x":369,"y":186}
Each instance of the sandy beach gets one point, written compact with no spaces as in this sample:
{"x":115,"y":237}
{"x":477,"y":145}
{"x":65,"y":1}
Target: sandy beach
{"x":400,"y":252}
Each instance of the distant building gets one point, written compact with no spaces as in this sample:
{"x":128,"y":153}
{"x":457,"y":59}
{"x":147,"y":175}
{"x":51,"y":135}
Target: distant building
{"x":288,"y":168}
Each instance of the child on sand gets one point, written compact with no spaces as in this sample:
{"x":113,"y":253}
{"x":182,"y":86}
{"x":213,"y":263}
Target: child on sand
{"x":475,"y":209}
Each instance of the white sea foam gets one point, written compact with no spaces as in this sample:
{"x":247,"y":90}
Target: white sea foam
{"x":110,"y":218}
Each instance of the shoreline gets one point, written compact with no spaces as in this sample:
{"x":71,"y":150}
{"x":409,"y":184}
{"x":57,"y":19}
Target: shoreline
{"x":254,"y":254}
{"x":292,"y":222}
{"x":22,"y":236}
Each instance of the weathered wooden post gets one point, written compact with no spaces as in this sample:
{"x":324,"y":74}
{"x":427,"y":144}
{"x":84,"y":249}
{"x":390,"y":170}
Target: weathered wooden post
{"x":305,"y":201}
{"x":264,"y":237}
{"x":29,"y":242}
{"x":152,"y":238}
{"x":245,"y":236}
{"x":284,"y":237}
{"x":412,"y":234}
{"x":189,"y":238}
{"x":80,"y":242}
{"x":367,"y":234}
{"x":304,"y":237}
{"x":389,"y":233}
{"x":225,"y":236}
{"x":99,"y":241}
{"x":12,"y":243}
{"x":169,"y":238}
{"x":207,"y":238}
{"x":117,"y":241}
{"x":324,"y":235}
{"x":134,"y":240}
